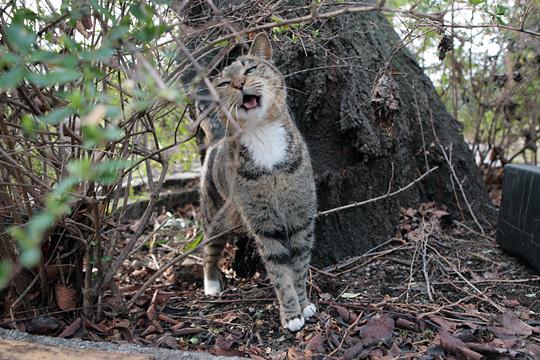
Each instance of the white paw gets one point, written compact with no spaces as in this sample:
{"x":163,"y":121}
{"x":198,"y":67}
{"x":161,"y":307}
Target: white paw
{"x":212,"y":287}
{"x":309,"y":311}
{"x":295,"y":324}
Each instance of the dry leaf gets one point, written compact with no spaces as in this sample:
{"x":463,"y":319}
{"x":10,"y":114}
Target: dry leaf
{"x":315,"y":344}
{"x":353,"y":351}
{"x":71,"y":328}
{"x":511,"y":327}
{"x":379,"y":329}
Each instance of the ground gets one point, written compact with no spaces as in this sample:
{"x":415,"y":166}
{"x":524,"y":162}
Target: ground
{"x":438,"y":289}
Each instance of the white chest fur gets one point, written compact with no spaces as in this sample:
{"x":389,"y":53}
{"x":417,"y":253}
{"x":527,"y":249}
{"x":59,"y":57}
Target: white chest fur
{"x":266,"y":144}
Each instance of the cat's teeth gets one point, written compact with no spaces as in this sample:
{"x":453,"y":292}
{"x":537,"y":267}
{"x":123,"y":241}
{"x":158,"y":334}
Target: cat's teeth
{"x":212,"y":287}
{"x":309,"y":311}
{"x":295,"y":324}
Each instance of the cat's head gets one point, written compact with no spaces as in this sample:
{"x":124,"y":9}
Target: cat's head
{"x":251,"y":88}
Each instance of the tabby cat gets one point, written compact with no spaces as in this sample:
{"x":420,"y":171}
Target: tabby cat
{"x":262,"y":181}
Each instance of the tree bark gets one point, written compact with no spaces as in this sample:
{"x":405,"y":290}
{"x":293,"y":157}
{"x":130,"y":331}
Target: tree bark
{"x":354,"y":146}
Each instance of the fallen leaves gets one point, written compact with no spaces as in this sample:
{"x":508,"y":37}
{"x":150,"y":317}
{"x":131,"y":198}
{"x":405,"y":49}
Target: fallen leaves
{"x":455,"y":346}
{"x":510,"y":327}
{"x":378,"y":329}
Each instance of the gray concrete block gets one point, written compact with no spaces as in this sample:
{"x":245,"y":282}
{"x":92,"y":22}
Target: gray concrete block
{"x":518,"y":230}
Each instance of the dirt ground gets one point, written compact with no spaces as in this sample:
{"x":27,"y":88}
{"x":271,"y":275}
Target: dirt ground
{"x":436,"y":290}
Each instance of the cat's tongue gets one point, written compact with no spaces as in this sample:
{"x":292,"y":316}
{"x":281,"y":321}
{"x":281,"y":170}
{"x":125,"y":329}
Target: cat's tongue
{"x":250,"y":103}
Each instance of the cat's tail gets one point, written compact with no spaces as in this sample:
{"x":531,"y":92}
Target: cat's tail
{"x":210,"y":123}
{"x":213,"y":129}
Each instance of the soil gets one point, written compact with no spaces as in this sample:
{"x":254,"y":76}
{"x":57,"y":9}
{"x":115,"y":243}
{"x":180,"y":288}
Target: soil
{"x":377,"y":305}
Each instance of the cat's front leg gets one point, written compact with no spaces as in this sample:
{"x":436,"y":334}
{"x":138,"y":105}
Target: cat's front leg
{"x":300,"y":251}
{"x":277,"y":260}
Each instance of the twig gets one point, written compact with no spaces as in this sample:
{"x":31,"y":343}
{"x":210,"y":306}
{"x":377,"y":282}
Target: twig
{"x":387,"y":195}
{"x":454,"y":175}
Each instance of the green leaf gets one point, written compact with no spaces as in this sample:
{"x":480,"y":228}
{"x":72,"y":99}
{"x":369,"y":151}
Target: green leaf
{"x":476,"y":2}
{"x":93,"y":134}
{"x":38,"y":225}
{"x":30,"y":257}
{"x":102,"y":11}
{"x":54,"y":77}
{"x":5,"y":273}
{"x":142,"y":11}
{"x":108,"y":171}
{"x":100,"y":54}
{"x":20,"y":37}
{"x":24,"y":14}
{"x":29,"y":125}
{"x":56,"y":116}
{"x":194,"y":243}
{"x":222,"y":43}
{"x":7,"y":57}
{"x":81,"y":169}
{"x":113,"y":133}
{"x":348,"y":295}
{"x":500,"y":20}
{"x":501,"y":9}
{"x":65,"y":186}
{"x":12,"y":78}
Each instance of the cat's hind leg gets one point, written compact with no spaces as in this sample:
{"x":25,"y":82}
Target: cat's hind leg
{"x":214,"y":280}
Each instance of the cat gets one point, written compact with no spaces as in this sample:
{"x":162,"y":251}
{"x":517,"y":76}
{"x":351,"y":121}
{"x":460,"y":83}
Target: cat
{"x":264,"y":180}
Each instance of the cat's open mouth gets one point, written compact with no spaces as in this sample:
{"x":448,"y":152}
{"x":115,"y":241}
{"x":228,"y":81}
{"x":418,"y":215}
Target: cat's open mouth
{"x":250,"y":102}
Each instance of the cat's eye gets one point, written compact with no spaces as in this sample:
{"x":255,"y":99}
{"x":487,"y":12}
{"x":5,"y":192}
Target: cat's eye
{"x":223,"y":83}
{"x":250,"y":70}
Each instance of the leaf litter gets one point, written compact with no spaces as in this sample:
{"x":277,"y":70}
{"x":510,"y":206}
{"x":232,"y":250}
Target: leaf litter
{"x":374,"y":306}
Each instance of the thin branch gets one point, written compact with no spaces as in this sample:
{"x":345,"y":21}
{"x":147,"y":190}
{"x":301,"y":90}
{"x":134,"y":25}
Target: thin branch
{"x":387,"y":195}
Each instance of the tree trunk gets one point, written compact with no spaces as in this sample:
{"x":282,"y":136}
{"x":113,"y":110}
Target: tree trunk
{"x":354,"y":99}
{"x":354,"y":146}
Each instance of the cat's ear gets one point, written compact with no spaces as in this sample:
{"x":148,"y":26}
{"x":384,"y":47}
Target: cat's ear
{"x":261,"y":47}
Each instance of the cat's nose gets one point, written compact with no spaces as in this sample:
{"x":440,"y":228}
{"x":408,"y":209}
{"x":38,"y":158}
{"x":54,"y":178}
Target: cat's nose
{"x":238,"y":83}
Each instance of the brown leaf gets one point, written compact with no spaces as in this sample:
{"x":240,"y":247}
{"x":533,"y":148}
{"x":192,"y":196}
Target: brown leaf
{"x":167,"y":341}
{"x":232,"y":352}
{"x":178,"y":326}
{"x":293,"y":354}
{"x":100,"y":328}
{"x":225,"y":343}
{"x":43,"y":325}
{"x":187,"y":331}
{"x":66,"y":297}
{"x":385,"y":100}
{"x":511,"y":302}
{"x":315,"y":344}
{"x":353,"y":351}
{"x":440,"y":213}
{"x":455,"y":346}
{"x":446,"y":325}
{"x":376,"y":354}
{"x":379,"y":329}
{"x":123,"y":326}
{"x":394,"y":351}
{"x":86,"y":20}
{"x":407,"y":325}
{"x":343,"y":312}
{"x":511,"y":326}
{"x":71,"y":328}
{"x":167,"y":319}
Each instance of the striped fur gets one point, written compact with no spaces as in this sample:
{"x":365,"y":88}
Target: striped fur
{"x":261,"y":183}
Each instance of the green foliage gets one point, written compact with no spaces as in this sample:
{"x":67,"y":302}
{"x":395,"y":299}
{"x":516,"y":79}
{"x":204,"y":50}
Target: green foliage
{"x":47,"y":50}
{"x":194,"y":243}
